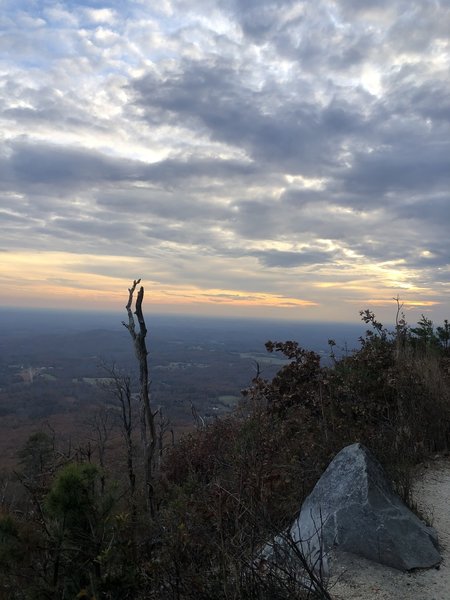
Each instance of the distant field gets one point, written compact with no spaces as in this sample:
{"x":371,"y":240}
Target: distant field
{"x":181,"y":365}
{"x":95,"y":380}
{"x":264,"y":359}
{"x":228,"y":400}
{"x":48,"y":377}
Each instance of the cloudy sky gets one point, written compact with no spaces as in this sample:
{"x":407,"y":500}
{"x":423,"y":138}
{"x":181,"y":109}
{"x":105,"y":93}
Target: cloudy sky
{"x":273,"y":158}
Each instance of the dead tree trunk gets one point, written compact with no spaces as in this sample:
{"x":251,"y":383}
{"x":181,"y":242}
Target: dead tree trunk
{"x":148,"y":417}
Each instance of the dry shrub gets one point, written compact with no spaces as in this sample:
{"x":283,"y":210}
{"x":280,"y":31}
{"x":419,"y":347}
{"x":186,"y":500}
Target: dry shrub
{"x":230,"y":486}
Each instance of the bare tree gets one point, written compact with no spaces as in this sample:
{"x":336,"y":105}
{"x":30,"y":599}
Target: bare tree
{"x":199,"y":420}
{"x":101,"y":427}
{"x":163,"y":429}
{"x":120,"y":386}
{"x":148,"y":429}
{"x":400,"y":328}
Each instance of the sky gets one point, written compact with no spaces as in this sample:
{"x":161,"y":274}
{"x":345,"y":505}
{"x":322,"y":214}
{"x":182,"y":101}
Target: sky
{"x":266,"y":158}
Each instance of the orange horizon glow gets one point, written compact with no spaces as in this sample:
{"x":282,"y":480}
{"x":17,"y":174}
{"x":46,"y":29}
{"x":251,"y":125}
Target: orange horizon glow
{"x":62,"y":280}
{"x":70,"y":284}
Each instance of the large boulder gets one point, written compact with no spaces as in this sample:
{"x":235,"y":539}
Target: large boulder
{"x":354,"y":508}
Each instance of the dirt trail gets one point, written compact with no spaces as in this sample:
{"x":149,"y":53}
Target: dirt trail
{"x":359,"y":579}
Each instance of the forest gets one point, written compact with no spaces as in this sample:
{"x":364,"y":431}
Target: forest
{"x":154,"y":517}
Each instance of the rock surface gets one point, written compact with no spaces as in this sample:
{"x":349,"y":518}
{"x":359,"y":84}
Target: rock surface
{"x":355,"y":578}
{"x":354,"y":508}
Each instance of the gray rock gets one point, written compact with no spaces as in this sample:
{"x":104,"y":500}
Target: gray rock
{"x":354,"y":508}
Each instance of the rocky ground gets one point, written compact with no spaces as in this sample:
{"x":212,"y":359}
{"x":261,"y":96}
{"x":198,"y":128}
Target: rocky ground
{"x":358,"y":579}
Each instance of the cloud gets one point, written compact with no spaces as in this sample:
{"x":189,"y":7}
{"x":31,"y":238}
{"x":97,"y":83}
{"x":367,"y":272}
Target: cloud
{"x":280,"y":148}
{"x":277,"y":258}
{"x":287,"y":130}
{"x":45,"y":163}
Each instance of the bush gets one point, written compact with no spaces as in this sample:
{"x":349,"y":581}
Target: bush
{"x":227,"y":488}
{"x":245,"y":477}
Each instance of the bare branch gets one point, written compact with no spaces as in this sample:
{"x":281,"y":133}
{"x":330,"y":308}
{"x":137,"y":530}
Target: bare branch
{"x":131,"y":325}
